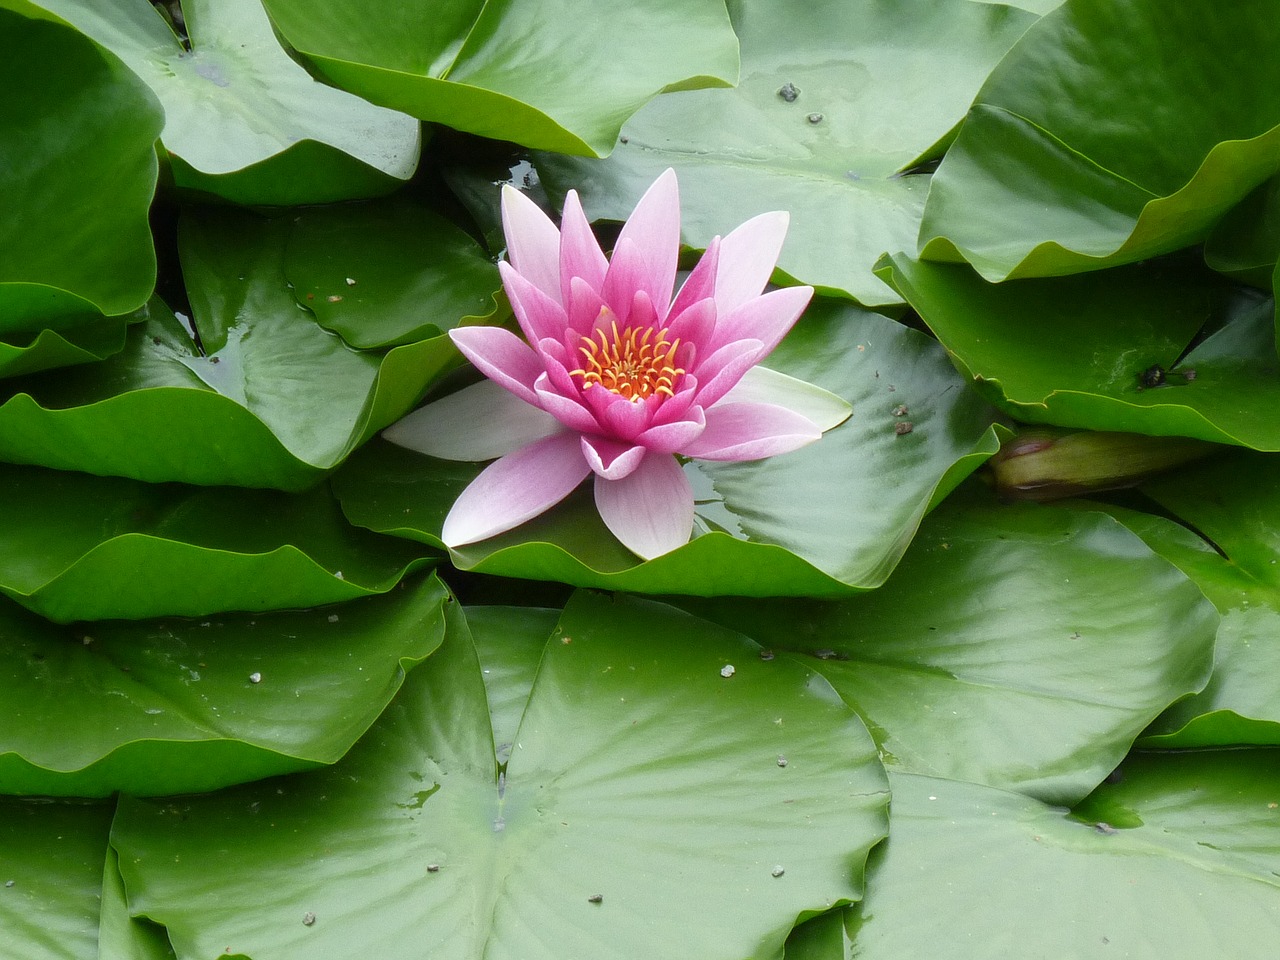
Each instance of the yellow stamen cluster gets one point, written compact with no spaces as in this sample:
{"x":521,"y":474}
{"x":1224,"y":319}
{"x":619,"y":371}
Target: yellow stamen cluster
{"x":631,"y":363}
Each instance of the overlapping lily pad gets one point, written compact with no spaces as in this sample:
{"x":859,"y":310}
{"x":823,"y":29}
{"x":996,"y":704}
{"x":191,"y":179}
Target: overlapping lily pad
{"x":765,"y":528}
{"x":259,"y":395}
{"x":1246,"y":242}
{"x":242,"y":120}
{"x":77,"y":171}
{"x":51,"y":857}
{"x":388,"y":272}
{"x":96,"y":338}
{"x":1116,"y":350}
{"x":80,"y":547}
{"x":1079,"y":152}
{"x":1023,"y":647}
{"x":120,"y":936}
{"x":176,"y":706}
{"x":1195,"y":833}
{"x":516,"y":70}
{"x":831,"y":108}
{"x":644,"y":782}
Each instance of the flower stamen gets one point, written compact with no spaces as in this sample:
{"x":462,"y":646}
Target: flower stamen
{"x":631,"y":363}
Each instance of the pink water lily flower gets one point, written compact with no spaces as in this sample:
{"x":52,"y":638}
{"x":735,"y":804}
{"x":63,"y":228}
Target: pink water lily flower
{"x":618,"y":378}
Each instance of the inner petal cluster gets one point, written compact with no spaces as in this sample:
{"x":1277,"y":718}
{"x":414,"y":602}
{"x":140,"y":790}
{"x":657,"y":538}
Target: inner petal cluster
{"x":635,"y":363}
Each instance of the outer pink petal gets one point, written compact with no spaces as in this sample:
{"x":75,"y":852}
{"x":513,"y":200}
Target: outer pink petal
{"x":670,"y":437}
{"x":533,"y":242}
{"x":654,"y":229}
{"x":580,"y":254}
{"x":751,"y":431}
{"x":502,"y":357}
{"x":651,"y":511}
{"x":611,"y":459}
{"x":539,"y":315}
{"x":516,"y":488}
{"x":721,"y":371}
{"x":479,"y":422}
{"x":747,"y":258}
{"x":701,"y":282}
{"x":767,"y":318}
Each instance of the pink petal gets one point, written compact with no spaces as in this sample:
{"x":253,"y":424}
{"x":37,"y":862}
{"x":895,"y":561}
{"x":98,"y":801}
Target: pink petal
{"x":566,"y":410}
{"x":701,"y":282}
{"x":502,"y":357}
{"x":585,"y":306}
{"x":538,"y":315}
{"x":747,"y":258}
{"x":670,"y":437}
{"x":621,"y":418}
{"x":767,"y":318}
{"x":627,"y":274}
{"x":557,"y":370}
{"x":479,"y":422}
{"x":515,"y":489}
{"x":611,"y":459}
{"x":654,"y":229}
{"x":533,"y":242}
{"x":751,"y":431}
{"x":721,"y":371}
{"x":693,"y":326}
{"x":580,"y":254}
{"x":651,"y":511}
{"x":671,"y":409}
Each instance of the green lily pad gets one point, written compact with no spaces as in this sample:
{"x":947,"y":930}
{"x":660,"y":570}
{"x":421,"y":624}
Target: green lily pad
{"x":72,"y":547}
{"x":120,"y":936}
{"x":643,"y":783}
{"x":763,"y":528}
{"x":1197,"y":838}
{"x":1011,"y":647}
{"x":77,"y":171}
{"x":178,"y":706}
{"x":517,"y":70}
{"x":832,"y":107}
{"x":265,"y":397}
{"x":93,"y":340}
{"x":388,"y":272}
{"x":1078,"y":153}
{"x":51,"y":857}
{"x":1112,"y":350}
{"x":1246,"y":242}
{"x":1231,"y":502}
{"x":242,"y":120}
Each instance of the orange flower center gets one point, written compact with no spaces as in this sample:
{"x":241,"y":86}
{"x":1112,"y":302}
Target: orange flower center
{"x":635,"y":363}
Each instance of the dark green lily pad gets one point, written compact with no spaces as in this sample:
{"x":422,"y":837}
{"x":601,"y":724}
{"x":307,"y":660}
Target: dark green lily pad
{"x":51,"y":857}
{"x":517,"y":70}
{"x":832,"y":107}
{"x":265,"y":397}
{"x":643,"y":783}
{"x":1246,"y":242}
{"x":95,"y":339}
{"x":242,"y":120}
{"x":79,"y":547}
{"x":77,"y":171}
{"x":1012,"y":646}
{"x":180,"y":706}
{"x":1111,"y":350}
{"x":1079,"y":153}
{"x":388,"y":272}
{"x":763,"y":528}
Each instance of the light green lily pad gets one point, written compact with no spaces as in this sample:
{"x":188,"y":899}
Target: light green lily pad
{"x":1079,"y":153}
{"x":643,"y":783}
{"x":1012,"y":646}
{"x":77,"y":171}
{"x":832,"y":107}
{"x":242,"y":120}
{"x":180,"y":706}
{"x":120,"y":936}
{"x":1114,"y":350}
{"x":75,"y":547}
{"x":265,"y":397}
{"x":517,"y":70}
{"x":763,"y":528}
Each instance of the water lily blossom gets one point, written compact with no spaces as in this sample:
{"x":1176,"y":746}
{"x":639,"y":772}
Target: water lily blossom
{"x":619,"y":375}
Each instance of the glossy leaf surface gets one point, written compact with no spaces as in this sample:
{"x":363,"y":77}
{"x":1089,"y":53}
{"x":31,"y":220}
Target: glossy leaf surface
{"x":242,"y":120}
{"x":831,"y":108}
{"x":79,"y":547}
{"x":516,"y":69}
{"x":77,"y":171}
{"x":764,"y":526}
{"x":95,"y":339}
{"x":1012,"y":646}
{"x":173,"y":706}
{"x":640,"y":774}
{"x":1078,"y":153}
